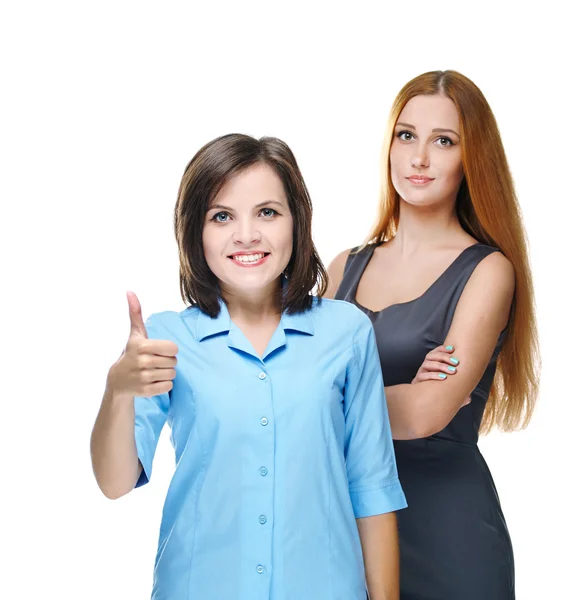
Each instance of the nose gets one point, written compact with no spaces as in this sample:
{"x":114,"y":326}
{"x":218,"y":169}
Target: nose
{"x":420,"y":159}
{"x":247,"y":232}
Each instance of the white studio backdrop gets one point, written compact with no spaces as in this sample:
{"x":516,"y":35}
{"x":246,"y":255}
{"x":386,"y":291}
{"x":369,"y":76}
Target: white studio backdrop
{"x":103,"y":106}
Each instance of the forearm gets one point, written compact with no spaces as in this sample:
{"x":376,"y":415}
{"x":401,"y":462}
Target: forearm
{"x":379,"y":540}
{"x":113,"y":449}
{"x":415,"y":410}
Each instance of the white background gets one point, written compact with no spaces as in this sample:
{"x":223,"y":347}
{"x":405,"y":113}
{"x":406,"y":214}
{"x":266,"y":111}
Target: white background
{"x":103,"y":105}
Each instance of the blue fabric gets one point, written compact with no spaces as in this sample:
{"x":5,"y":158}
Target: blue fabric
{"x":275,"y":456}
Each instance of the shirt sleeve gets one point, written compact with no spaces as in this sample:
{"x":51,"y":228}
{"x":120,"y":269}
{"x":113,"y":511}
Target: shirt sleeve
{"x":150,"y":413}
{"x":370,"y":458}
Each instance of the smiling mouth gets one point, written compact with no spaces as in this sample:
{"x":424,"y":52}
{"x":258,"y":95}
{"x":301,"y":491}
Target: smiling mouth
{"x":250,"y":259}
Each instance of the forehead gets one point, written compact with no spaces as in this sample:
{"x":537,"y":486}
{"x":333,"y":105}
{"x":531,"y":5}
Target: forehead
{"x":255,"y":184}
{"x":430,"y":112}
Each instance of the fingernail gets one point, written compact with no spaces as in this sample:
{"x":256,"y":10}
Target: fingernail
{"x":442,"y":375}
{"x":452,"y":369}
{"x":454,"y":361}
{"x":449,"y":347}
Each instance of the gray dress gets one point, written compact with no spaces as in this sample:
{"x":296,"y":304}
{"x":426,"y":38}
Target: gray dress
{"x":454,"y":541}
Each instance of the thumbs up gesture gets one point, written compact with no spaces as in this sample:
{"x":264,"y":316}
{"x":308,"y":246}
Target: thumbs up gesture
{"x":146,"y":367}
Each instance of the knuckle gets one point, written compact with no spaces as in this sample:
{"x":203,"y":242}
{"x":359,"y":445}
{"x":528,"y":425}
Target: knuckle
{"x":142,"y":346}
{"x":142,"y":361}
{"x":145,"y":376}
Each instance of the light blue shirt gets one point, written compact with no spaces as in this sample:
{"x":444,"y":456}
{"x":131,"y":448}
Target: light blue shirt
{"x":276,"y":456}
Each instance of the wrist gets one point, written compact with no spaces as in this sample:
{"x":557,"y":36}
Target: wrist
{"x":114,"y":395}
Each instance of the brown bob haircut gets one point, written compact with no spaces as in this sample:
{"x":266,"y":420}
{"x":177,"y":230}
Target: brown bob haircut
{"x":212,"y":166}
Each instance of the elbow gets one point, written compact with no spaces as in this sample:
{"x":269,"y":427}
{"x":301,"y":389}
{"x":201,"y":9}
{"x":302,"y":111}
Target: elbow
{"x":431,"y":425}
{"x":113,"y":493}
{"x":426,"y":430}
{"x":112,"y":489}
{"x":418,"y":427}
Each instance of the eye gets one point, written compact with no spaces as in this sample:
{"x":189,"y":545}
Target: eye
{"x":221,"y":217}
{"x":405,"y":136}
{"x":444,"y":141}
{"x":268,"y":212}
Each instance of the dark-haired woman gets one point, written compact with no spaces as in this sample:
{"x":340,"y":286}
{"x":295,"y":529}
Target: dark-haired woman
{"x":285,"y":484}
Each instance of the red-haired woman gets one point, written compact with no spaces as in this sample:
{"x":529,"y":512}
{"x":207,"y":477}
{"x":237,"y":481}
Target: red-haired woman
{"x":445,"y":279}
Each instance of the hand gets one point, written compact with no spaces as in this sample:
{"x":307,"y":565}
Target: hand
{"x":438,"y":366}
{"x":146,"y":367}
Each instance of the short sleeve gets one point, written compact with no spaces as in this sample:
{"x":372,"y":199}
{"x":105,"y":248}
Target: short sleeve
{"x":150,"y":413}
{"x":370,"y":458}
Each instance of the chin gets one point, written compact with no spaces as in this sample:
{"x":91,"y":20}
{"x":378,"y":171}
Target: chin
{"x":251,"y":283}
{"x":423,"y":200}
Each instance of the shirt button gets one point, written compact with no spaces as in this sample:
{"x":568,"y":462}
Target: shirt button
{"x":264,"y":421}
{"x":260,"y":569}
{"x":263,"y":471}
{"x":262,"y":375}
{"x":262,"y":519}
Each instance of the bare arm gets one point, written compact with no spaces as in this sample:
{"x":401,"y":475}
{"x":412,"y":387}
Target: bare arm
{"x":146,"y":368}
{"x":335,"y":273}
{"x":379,"y":540}
{"x":424,"y":408}
{"x":114,"y":453}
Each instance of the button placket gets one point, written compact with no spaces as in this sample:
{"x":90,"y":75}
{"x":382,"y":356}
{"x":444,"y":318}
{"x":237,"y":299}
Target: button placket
{"x":264,"y":495}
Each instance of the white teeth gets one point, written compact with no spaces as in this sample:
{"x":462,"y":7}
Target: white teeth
{"x":248,"y":258}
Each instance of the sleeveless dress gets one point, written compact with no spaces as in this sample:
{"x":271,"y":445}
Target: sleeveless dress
{"x":454,"y":542}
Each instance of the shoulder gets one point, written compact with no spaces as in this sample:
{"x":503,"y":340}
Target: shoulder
{"x":170,"y":322}
{"x":336,"y":271}
{"x":348,"y":318}
{"x":488,"y":294}
{"x":494,"y":272}
{"x":339,"y":261}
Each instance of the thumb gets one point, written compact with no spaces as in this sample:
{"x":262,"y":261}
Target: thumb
{"x":137,"y":326}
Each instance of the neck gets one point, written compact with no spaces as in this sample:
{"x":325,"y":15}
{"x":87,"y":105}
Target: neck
{"x":421,"y":228}
{"x":253,"y":307}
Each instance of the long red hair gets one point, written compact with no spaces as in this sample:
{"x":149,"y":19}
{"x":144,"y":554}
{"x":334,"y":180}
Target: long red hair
{"x":488,"y":210}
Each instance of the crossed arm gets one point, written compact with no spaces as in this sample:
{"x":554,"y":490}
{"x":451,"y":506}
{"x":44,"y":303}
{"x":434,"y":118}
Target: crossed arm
{"x":424,"y":408}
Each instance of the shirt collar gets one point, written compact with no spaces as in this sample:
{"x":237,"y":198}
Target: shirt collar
{"x":207,"y":326}
{"x":302,"y":322}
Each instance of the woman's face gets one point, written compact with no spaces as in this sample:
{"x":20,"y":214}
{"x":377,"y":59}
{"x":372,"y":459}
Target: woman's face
{"x":425,"y":156}
{"x":248,"y":232}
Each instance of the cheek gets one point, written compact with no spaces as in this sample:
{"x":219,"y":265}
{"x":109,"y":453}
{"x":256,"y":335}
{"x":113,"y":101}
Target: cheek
{"x":396,"y":170}
{"x":399,"y":160}
{"x":211,"y":243}
{"x":287,"y":231}
{"x":286,"y":238}
{"x":206,"y":241}
{"x":456,"y":172}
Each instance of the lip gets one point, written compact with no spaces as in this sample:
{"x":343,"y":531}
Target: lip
{"x":248,"y":265}
{"x":420,"y":179}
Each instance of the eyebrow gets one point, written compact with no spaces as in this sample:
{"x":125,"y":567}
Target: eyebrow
{"x":260,"y":205}
{"x":435,"y":130}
